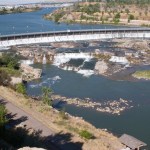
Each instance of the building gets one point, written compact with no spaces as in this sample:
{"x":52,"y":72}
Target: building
{"x":131,"y":142}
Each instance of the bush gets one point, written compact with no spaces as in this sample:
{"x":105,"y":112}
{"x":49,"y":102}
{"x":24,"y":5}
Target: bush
{"x":117,"y":16}
{"x":4,"y":78}
{"x":20,"y":88}
{"x":131,"y":17}
{"x":86,"y":134}
{"x":63,"y":115}
{"x":58,"y":16}
{"x":46,"y":95}
{"x":3,"y":112}
{"x":10,"y":61}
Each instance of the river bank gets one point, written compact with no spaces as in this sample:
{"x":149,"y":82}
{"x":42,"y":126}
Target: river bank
{"x":51,"y":118}
{"x":19,"y":9}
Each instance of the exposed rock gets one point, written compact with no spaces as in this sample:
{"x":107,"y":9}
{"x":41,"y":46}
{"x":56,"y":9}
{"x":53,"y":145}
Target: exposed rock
{"x":111,"y":106}
{"x":101,"y":67}
{"x":135,"y":44}
{"x":66,"y":44}
{"x":30,"y":73}
{"x":16,"y":80}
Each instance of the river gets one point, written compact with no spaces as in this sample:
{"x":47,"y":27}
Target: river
{"x":135,"y":121}
{"x":34,"y":22}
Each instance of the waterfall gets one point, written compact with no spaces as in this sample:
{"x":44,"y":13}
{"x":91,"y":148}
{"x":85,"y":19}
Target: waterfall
{"x":44,"y":59}
{"x":62,"y":58}
{"x":27,"y":62}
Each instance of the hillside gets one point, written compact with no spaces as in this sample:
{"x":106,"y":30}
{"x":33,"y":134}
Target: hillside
{"x":119,"y":12}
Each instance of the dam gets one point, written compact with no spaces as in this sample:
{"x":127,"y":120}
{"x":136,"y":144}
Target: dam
{"x":72,"y":35}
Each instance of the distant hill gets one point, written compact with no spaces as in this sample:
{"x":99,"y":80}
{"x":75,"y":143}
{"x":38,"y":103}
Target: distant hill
{"x":12,"y":2}
{"x":124,"y":12}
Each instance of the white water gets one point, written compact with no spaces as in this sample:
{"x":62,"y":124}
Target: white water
{"x":61,"y":58}
{"x":49,"y":81}
{"x":86,"y":73}
{"x":44,"y":59}
{"x":4,"y":48}
{"x":27,"y":62}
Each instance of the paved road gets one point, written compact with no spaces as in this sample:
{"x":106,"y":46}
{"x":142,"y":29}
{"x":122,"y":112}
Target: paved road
{"x":23,"y":118}
{"x":59,"y":141}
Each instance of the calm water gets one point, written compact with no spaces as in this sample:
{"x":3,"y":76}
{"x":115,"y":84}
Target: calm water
{"x":135,"y":121}
{"x":33,"y":22}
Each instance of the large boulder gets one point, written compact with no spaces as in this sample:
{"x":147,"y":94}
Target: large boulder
{"x":30,"y":73}
{"x":101,"y":67}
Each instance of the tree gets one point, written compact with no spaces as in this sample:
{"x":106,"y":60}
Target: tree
{"x":130,"y":17}
{"x":3,"y":119}
{"x":46,"y":95}
{"x":4,"y":78}
{"x":20,"y":88}
{"x":10,"y":61}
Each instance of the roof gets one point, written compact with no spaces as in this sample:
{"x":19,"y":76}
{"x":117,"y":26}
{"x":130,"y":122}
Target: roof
{"x":131,"y":141}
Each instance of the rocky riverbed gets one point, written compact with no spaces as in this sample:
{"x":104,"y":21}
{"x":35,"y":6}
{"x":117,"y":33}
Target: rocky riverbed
{"x":105,"y":58}
{"x":115,"y":107}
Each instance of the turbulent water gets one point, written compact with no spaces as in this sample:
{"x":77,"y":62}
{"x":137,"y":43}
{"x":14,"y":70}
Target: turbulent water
{"x":61,"y":58}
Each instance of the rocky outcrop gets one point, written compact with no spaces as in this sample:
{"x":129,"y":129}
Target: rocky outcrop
{"x":101,"y":67}
{"x":115,"y":107}
{"x":16,"y":80}
{"x":30,"y":73}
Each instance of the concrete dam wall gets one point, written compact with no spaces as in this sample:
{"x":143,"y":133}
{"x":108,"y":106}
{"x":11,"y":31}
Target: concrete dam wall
{"x":67,"y":36}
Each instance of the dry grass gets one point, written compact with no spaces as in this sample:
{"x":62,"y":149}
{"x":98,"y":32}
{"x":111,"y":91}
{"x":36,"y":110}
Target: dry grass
{"x":51,"y":118}
{"x":106,"y":14}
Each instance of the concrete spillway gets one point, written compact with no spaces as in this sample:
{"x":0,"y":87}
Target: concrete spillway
{"x":7,"y":41}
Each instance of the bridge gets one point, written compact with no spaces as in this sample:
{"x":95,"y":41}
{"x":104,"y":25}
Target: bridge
{"x":72,"y":35}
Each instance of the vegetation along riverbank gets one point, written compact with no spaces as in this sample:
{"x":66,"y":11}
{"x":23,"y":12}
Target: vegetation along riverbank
{"x":17,"y":9}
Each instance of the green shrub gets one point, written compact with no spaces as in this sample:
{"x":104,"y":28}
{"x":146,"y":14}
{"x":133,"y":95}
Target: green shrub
{"x":130,"y":17}
{"x":3,"y":112}
{"x":46,"y":95}
{"x":20,"y":88}
{"x":4,"y":78}
{"x":86,"y":134}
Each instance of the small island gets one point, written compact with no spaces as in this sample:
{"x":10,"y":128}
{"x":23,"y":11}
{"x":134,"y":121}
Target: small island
{"x":104,"y":12}
{"x":17,"y":9}
{"x":143,"y":74}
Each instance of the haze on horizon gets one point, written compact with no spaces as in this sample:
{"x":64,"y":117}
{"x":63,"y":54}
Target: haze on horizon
{"x":12,"y":2}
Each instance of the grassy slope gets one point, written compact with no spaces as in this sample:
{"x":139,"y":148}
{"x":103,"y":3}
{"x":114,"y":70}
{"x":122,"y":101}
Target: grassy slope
{"x":51,"y":118}
{"x":103,"y":13}
{"x":11,"y":72}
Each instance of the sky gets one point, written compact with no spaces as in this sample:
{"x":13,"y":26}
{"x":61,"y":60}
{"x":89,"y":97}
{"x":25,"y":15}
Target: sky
{"x":10,"y":2}
{"x":4,"y":2}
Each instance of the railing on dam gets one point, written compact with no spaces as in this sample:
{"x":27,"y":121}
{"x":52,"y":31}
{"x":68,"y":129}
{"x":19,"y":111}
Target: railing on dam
{"x":73,"y":35}
{"x":73,"y":32}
